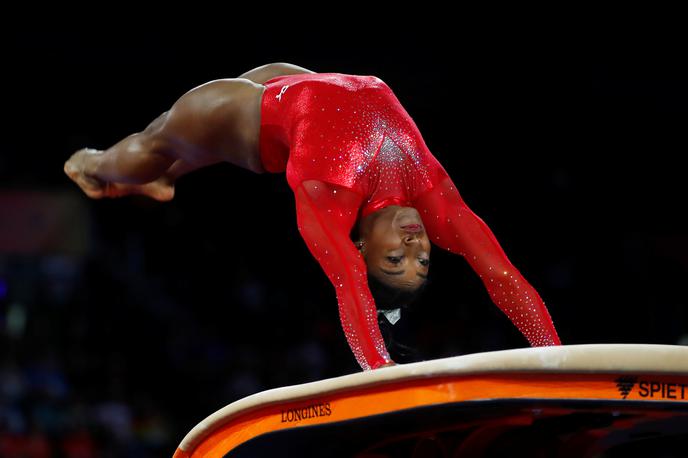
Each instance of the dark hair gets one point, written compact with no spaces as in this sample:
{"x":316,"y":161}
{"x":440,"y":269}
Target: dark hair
{"x":388,"y":297}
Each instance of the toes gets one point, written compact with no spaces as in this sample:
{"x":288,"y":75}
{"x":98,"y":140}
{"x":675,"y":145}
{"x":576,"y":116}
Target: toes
{"x":166,"y":194}
{"x":94,"y":193}
{"x":71,"y":170}
{"x":162,"y":193}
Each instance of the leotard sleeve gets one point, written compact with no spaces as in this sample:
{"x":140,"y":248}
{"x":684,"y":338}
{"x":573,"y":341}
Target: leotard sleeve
{"x":325,"y":215}
{"x":453,"y":226}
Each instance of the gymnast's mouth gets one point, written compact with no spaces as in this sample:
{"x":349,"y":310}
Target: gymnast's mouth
{"x":408,"y":220}
{"x":412,"y":227}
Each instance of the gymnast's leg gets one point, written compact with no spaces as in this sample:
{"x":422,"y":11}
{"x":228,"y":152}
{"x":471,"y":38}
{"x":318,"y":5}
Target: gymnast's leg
{"x":217,"y":121}
{"x":161,"y":189}
{"x":137,"y":159}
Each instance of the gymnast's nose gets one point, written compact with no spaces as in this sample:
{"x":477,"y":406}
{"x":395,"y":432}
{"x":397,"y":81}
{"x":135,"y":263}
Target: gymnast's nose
{"x":411,"y":237}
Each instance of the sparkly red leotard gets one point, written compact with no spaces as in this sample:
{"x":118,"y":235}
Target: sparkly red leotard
{"x":349,"y":148}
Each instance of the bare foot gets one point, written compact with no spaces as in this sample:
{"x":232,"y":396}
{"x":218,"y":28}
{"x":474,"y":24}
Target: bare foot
{"x":159,"y":190}
{"x":74,"y":168}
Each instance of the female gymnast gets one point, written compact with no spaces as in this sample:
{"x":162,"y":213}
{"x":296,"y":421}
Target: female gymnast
{"x":355,"y":161}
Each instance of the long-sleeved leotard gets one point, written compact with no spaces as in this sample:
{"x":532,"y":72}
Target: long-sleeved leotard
{"x":349,"y":149}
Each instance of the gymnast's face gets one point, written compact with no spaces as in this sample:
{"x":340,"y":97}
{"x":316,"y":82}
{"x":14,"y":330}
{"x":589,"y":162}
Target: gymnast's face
{"x":395,"y":246}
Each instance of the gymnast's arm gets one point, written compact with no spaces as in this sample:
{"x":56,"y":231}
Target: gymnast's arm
{"x":268,"y":71}
{"x":454,"y":227}
{"x":325,"y":215}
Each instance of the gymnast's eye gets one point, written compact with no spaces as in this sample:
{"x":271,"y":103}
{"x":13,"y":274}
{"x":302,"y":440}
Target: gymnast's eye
{"x":394,"y":259}
{"x":424,"y":262}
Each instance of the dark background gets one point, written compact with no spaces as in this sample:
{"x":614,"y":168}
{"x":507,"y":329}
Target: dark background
{"x":123,"y":323}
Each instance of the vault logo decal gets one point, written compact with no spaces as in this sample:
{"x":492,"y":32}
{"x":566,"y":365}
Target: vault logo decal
{"x":625,"y":385}
{"x":322,"y":409}
{"x":656,"y":390}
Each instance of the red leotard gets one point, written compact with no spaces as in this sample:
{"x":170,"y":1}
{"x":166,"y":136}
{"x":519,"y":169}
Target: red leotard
{"x":349,"y":148}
